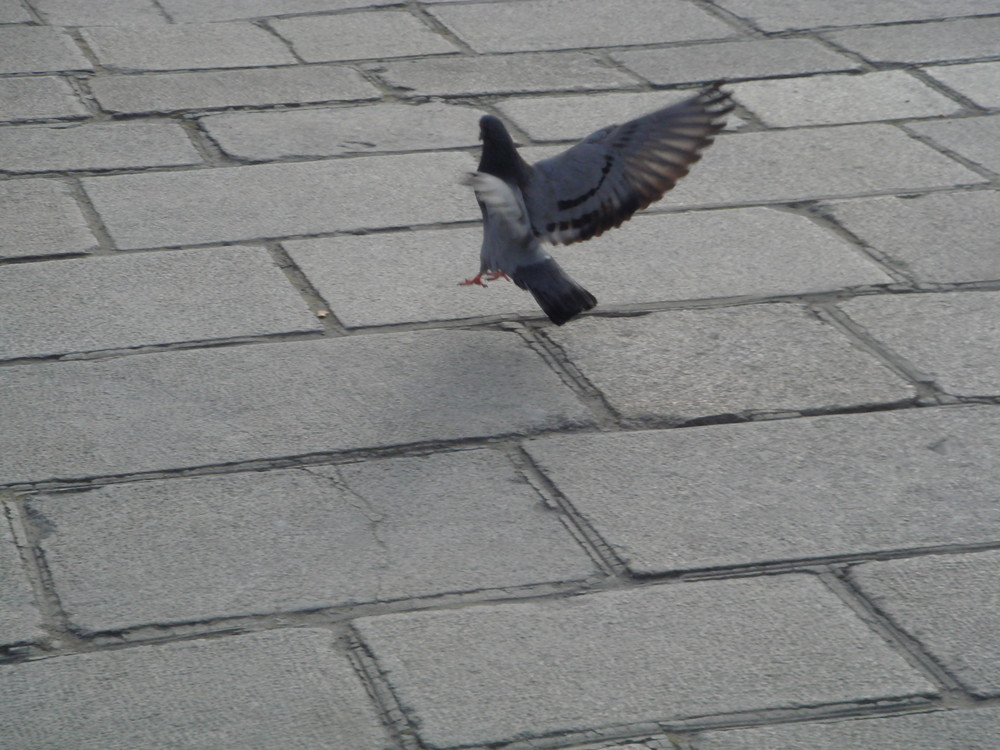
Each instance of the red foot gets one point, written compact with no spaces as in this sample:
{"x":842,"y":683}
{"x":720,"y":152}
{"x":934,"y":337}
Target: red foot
{"x":477,"y":279}
{"x":494,"y":275}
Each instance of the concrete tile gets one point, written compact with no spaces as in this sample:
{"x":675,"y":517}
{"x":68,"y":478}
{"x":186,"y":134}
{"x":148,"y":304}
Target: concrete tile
{"x":37,"y":98}
{"x":343,"y":130}
{"x":38,"y":49}
{"x":572,"y":24}
{"x":758,"y":58}
{"x":943,"y":237}
{"x":136,"y":300}
{"x":11,"y":11}
{"x":278,"y":541}
{"x":937,"y":730}
{"x":454,"y":76}
{"x":482,"y":675}
{"x":706,"y":497}
{"x":751,"y":167}
{"x":248,"y":692}
{"x":831,"y":99}
{"x":20,"y":620}
{"x":41,"y":217}
{"x":975,"y":138}
{"x":949,"y":337}
{"x":219,"y":89}
{"x":354,"y":36}
{"x":97,"y":145}
{"x":960,"y":39}
{"x":274,"y":200}
{"x":227,"y":10}
{"x":104,"y":13}
{"x":186,"y":46}
{"x":978,"y":81}
{"x":950,"y":604}
{"x":804,"y":14}
{"x":187,"y":408}
{"x":685,"y":364}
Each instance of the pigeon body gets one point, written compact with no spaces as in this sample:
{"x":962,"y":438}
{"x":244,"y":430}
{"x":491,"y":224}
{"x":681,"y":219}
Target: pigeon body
{"x":584,"y":191}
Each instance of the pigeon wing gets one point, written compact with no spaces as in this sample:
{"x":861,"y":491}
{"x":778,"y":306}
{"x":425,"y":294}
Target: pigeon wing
{"x":618,"y":170}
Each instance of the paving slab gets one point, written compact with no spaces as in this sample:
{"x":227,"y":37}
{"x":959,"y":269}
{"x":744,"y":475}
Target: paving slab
{"x":688,"y":364}
{"x":975,"y":138}
{"x":950,"y":604}
{"x":354,"y":36}
{"x":484,"y":675}
{"x":949,"y":337}
{"x":937,"y":730}
{"x":136,"y":300}
{"x":831,"y":99}
{"x":104,"y":13}
{"x":343,"y":130}
{"x":151,"y":412}
{"x":758,"y":58}
{"x":37,"y":49}
{"x":280,"y":541}
{"x":264,"y":690}
{"x":220,"y":89}
{"x":20,"y":620}
{"x":186,"y":46}
{"x":227,"y":10}
{"x":38,"y":98}
{"x":274,"y":200}
{"x":558,"y":24}
{"x":942,"y":237}
{"x":455,"y":76}
{"x":723,"y":495}
{"x":804,"y":14}
{"x":41,"y":217}
{"x":11,"y":11}
{"x":959,"y":39}
{"x":977,"y":81}
{"x":97,"y":145}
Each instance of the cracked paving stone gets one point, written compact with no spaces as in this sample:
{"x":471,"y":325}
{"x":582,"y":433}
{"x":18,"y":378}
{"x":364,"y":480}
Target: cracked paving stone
{"x":38,"y":98}
{"x":41,"y":217}
{"x":975,"y":138}
{"x":977,"y":81}
{"x":20,"y":620}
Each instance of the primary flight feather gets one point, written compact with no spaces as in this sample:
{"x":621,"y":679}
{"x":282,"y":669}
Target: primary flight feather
{"x":590,"y":188}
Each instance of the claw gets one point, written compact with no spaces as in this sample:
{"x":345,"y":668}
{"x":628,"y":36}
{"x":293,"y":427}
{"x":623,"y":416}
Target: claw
{"x":477,"y":279}
{"x":494,"y":275}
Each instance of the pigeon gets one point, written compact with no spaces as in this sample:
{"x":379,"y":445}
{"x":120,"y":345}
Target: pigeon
{"x":582,"y":192}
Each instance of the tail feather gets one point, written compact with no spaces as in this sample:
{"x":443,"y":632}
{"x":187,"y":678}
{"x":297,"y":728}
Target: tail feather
{"x":560,"y":297}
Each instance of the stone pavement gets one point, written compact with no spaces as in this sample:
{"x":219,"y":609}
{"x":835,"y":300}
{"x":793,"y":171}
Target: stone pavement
{"x":271,"y":479}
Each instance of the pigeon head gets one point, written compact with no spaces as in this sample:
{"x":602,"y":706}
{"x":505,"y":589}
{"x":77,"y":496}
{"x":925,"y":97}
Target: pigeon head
{"x":500,"y":157}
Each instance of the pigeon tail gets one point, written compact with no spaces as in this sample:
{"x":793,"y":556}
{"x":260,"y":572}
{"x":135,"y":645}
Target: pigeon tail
{"x":560,"y":297}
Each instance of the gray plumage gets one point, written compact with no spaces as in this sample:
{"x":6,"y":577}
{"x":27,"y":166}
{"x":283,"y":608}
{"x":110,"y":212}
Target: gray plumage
{"x":584,"y":191}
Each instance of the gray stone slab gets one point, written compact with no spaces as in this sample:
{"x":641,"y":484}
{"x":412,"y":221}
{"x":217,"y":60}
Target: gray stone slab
{"x":975,"y":138}
{"x":754,"y":251}
{"x":758,"y":58}
{"x":256,"y":543}
{"x":751,"y":167}
{"x":20,"y":620}
{"x":227,"y":10}
{"x":285,"y":688}
{"x":274,"y":200}
{"x":830,"y":99}
{"x":977,"y":81}
{"x":38,"y":98}
{"x":554,"y":24}
{"x":960,"y":39}
{"x":104,"y":13}
{"x":219,"y":89}
{"x":98,"y":145}
{"x":683,"y":365}
{"x":950,"y":604}
{"x":11,"y":11}
{"x":454,"y":76}
{"x":937,"y":730}
{"x":949,"y":337}
{"x":944,"y":237}
{"x":706,"y":497}
{"x":344,"y":130}
{"x":136,"y":300}
{"x":41,"y":217}
{"x":354,"y":36}
{"x":186,"y":46}
{"x":804,"y":14}
{"x":186,"y":408}
{"x":481,"y":675}
{"x":38,"y":49}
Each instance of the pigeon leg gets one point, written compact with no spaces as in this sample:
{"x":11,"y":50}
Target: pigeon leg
{"x":477,"y":279}
{"x":494,"y":275}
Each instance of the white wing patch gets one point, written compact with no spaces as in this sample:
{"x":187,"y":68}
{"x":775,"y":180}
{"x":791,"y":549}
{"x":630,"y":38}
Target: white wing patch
{"x":498,"y":196}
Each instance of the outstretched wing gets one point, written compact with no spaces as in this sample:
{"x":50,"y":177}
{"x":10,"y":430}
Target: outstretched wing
{"x":601,"y":181}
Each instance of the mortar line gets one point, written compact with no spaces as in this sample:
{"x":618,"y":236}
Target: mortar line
{"x":265,"y":25}
{"x":438,"y":26}
{"x":93,"y":219}
{"x":322,"y":309}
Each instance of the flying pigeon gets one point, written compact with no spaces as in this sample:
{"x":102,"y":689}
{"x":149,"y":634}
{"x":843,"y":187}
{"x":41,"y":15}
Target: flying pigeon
{"x":590,"y":188}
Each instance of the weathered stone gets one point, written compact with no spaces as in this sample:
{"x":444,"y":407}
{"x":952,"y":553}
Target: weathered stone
{"x":41,"y":217}
{"x":961,"y":39}
{"x":104,"y":13}
{"x":11,"y":11}
{"x":20,"y":620}
{"x":38,"y":49}
{"x":975,"y":138}
{"x":227,"y":10}
{"x":977,"y":81}
{"x":805,"y":14}
{"x":38,"y":98}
